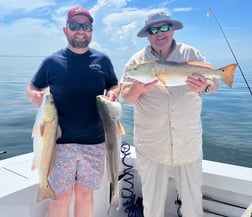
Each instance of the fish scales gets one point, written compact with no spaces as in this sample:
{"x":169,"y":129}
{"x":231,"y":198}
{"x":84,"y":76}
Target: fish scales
{"x":175,"y":73}
{"x":109,"y":113}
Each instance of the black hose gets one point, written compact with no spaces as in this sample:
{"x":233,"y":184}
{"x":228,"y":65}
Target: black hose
{"x":132,"y":206}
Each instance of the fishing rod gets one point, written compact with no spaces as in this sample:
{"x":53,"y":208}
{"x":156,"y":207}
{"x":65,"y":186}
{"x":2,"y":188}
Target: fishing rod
{"x":208,"y":14}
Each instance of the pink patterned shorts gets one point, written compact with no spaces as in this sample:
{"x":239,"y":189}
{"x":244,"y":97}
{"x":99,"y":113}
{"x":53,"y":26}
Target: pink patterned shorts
{"x":83,"y":164}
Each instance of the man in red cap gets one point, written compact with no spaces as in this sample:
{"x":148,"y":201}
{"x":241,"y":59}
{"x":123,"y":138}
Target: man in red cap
{"x":76,"y":75}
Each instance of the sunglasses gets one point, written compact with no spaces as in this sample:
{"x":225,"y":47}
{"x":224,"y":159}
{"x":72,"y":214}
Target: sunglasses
{"x":77,"y":26}
{"x":163,"y":28}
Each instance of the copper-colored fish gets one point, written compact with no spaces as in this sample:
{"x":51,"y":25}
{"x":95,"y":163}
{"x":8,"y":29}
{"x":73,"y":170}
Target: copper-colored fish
{"x":176,"y":73}
{"x":110,"y":114}
{"x":45,"y":132}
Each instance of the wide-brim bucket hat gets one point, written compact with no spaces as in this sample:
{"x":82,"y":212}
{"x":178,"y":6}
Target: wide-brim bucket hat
{"x":158,"y":17}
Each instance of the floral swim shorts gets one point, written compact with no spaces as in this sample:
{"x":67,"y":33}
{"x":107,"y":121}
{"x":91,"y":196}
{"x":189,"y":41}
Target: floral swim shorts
{"x":83,"y":164}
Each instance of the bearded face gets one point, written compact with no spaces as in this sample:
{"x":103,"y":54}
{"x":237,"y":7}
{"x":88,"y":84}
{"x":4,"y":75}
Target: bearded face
{"x":79,"y":40}
{"x":79,"y":32}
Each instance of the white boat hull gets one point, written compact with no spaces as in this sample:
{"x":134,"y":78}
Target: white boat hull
{"x":227,"y":191}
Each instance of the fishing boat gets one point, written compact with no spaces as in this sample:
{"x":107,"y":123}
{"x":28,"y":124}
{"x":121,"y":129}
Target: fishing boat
{"x":227,"y":190}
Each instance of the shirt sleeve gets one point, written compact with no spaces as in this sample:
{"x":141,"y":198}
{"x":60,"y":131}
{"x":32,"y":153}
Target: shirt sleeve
{"x":40,"y":78}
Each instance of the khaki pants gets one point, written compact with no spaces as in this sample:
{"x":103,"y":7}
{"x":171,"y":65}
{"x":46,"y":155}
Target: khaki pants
{"x":155,"y":180}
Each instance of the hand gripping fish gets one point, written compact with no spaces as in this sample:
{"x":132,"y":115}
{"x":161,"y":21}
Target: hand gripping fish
{"x":45,"y":132}
{"x":175,"y":73}
{"x":109,"y":113}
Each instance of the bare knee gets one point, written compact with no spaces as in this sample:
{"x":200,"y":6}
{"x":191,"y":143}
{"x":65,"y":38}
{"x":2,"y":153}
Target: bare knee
{"x":83,"y":201}
{"x":60,"y":207}
{"x":82,"y":192}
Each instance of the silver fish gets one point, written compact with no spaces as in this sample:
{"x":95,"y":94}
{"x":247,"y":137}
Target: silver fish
{"x":175,"y":73}
{"x":109,"y":113}
{"x":45,"y":132}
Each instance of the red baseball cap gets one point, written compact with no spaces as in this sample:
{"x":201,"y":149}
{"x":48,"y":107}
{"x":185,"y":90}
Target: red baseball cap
{"x":78,"y":10}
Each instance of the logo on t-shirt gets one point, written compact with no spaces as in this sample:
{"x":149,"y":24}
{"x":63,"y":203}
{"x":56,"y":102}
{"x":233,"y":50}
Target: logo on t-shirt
{"x":96,"y":66}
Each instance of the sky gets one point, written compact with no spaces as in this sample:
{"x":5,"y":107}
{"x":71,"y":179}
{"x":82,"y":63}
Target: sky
{"x":34,"y":27}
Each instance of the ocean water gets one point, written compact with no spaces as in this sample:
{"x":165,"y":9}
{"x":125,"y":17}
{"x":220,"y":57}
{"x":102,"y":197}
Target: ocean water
{"x":226,"y":115}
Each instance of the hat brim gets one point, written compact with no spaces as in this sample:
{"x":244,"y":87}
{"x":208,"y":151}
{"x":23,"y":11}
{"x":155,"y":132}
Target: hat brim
{"x":175,"y":23}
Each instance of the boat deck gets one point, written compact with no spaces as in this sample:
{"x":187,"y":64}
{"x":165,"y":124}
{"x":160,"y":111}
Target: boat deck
{"x":227,"y":190}
{"x":17,"y":174}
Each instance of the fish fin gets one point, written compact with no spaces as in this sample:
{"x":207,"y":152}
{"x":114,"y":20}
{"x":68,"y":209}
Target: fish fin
{"x":33,"y":165}
{"x":46,"y":193}
{"x":228,"y":74}
{"x":42,"y":129}
{"x":59,"y":132}
{"x":202,"y":64}
{"x":34,"y":129}
{"x":120,"y":128}
{"x":162,"y":88}
{"x":162,"y":79}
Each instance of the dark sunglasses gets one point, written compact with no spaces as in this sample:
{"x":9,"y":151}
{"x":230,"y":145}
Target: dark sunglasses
{"x":77,"y":26}
{"x":163,"y":28}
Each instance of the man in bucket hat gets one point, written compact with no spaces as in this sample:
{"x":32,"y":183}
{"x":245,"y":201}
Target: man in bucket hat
{"x":76,"y":75}
{"x":167,"y":124}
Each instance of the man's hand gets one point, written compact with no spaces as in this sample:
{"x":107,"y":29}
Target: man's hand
{"x":197,"y":82}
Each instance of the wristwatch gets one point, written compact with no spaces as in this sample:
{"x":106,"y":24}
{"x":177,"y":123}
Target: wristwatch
{"x":208,"y":87}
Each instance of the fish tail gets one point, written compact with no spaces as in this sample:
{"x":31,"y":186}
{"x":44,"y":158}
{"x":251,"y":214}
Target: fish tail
{"x":113,"y":197}
{"x":228,"y":74}
{"x":46,"y":193}
{"x":114,"y":202}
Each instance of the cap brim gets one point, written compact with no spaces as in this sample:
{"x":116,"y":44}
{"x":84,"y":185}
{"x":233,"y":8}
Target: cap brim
{"x":143,"y":32}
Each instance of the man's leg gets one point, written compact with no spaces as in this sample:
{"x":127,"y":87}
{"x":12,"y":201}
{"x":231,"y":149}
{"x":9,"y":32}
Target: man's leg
{"x":83,"y":205}
{"x":60,"y":207}
{"x":189,"y":181}
{"x":154,"y":180}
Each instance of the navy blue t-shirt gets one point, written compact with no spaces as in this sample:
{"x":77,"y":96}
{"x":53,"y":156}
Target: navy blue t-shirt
{"x":75,"y":80}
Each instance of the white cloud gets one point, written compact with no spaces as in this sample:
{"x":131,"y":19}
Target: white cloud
{"x":34,"y":27}
{"x":8,"y":7}
{"x":101,"y":4}
{"x":182,"y":9}
{"x":115,"y":26}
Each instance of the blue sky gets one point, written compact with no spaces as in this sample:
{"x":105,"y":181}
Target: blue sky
{"x":34,"y":27}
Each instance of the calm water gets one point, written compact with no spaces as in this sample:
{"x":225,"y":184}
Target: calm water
{"x":227,"y":115}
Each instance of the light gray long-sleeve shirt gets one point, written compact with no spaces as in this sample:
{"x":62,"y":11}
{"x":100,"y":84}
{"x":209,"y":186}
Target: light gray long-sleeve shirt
{"x":167,"y":126}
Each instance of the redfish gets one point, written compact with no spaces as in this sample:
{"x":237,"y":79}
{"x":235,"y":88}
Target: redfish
{"x":110,"y":113}
{"x":175,"y":73}
{"x":45,"y":132}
